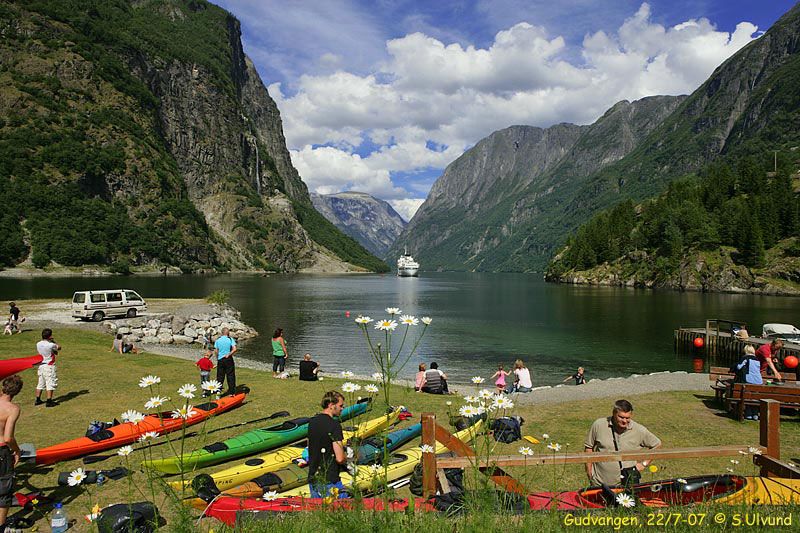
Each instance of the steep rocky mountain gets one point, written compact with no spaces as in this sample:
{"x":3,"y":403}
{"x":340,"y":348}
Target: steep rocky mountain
{"x":749,"y":105}
{"x":370,"y":221}
{"x":472,"y":215}
{"x":154,"y":140}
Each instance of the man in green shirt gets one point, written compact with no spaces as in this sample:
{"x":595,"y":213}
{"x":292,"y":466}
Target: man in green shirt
{"x":617,"y":433}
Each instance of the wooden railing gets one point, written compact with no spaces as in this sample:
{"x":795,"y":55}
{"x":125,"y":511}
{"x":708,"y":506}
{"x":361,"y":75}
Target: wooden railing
{"x":767,"y":454}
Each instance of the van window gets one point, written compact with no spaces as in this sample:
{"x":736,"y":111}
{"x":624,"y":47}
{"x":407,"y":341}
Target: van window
{"x":114,"y":296}
{"x":79,"y":298}
{"x":130,"y":295}
{"x":98,"y":298}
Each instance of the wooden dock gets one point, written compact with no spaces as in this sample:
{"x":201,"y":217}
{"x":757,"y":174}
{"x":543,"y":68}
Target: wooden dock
{"x":720,"y":345}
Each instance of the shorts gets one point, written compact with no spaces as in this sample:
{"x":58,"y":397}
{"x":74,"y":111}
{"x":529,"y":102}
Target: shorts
{"x":319,"y":491}
{"x":47,"y":378}
{"x":6,"y":476}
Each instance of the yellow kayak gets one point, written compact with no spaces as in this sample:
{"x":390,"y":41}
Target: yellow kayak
{"x":764,"y":491}
{"x":401,"y":464}
{"x":255,"y":466}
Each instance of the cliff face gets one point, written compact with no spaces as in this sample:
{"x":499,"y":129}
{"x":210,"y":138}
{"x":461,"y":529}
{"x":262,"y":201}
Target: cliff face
{"x":194,"y":143}
{"x":483,"y":211}
{"x":370,"y":221}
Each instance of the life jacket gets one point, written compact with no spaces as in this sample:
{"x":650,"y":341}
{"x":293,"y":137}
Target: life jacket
{"x":433,"y":380}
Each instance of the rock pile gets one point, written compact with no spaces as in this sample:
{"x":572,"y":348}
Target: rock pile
{"x":183,"y":327}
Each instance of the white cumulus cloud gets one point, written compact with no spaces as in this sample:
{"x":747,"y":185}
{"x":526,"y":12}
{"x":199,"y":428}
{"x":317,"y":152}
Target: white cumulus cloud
{"x":427,"y":100}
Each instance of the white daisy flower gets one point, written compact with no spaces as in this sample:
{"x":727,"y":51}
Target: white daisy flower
{"x":426,"y":448}
{"x":681,"y":480}
{"x":363,"y":320}
{"x":729,"y":470}
{"x":468,"y":410}
{"x":477,"y":380}
{"x":212,"y":386}
{"x":187,"y":391}
{"x":502,"y":402}
{"x":147,"y":436}
{"x":76,"y":477}
{"x":393,"y":310}
{"x":377,"y":376}
{"x":270,"y":495}
{"x":427,"y":320}
{"x":485,"y":394}
{"x":554,"y":446}
{"x":743,"y":452}
{"x":386,"y":325}
{"x":471,"y":399}
{"x":125,"y":451}
{"x":149,"y":381}
{"x":448,"y":403}
{"x":409,"y":320}
{"x":372,"y":389}
{"x":184,"y":412}
{"x":132,"y":416}
{"x":526,"y":450}
{"x":376,"y":468}
{"x":754,"y":451}
{"x":155,"y":402}
{"x":625,"y":500}
{"x":545,"y":436}
{"x":734,"y":461}
{"x":479,"y":409}
{"x":347,"y":374}
{"x":350,"y":387}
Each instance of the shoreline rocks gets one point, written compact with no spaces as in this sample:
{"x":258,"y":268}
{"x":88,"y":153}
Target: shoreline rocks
{"x":188,"y":325}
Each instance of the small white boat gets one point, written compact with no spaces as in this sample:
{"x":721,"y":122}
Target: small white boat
{"x":406,"y":266}
{"x":786,"y":332}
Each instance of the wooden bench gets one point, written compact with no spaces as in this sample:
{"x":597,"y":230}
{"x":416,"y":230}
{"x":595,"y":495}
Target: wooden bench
{"x":742,"y":394}
{"x":722,"y":380}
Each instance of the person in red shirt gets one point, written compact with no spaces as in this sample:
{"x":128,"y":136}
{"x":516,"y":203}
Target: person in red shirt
{"x":765,"y":355}
{"x":205,"y":364}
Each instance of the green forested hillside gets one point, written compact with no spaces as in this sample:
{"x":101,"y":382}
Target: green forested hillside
{"x":742,"y":209}
{"x":128,"y":127}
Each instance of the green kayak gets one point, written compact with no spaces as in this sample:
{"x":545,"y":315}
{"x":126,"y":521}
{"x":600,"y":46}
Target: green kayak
{"x":255,"y":441}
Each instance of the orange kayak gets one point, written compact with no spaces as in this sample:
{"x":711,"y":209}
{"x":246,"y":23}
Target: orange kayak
{"x":127,"y":433}
{"x":9,"y":367}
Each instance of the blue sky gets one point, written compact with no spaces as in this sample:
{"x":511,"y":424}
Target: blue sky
{"x":380,"y":96}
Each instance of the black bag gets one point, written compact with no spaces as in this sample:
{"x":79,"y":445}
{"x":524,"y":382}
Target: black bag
{"x":507,"y":429}
{"x":630,"y":476}
{"x":455,"y":477}
{"x":142,"y":517}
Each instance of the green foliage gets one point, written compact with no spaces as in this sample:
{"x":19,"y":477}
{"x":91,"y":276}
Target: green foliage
{"x":121,"y":266}
{"x":220,"y":297}
{"x":739,"y":207}
{"x":326,"y":234}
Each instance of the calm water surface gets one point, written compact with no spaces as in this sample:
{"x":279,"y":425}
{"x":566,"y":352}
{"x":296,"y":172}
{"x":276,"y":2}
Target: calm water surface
{"x":479,"y":320}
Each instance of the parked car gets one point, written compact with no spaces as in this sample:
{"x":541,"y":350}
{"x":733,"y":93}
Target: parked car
{"x":96,"y":305}
{"x":787,"y":332}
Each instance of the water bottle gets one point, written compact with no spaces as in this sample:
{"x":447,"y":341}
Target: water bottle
{"x":58,"y":520}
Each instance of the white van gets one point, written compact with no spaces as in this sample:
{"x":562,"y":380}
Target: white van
{"x":97,"y":305}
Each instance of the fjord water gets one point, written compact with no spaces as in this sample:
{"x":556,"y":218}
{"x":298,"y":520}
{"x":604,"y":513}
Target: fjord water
{"x":479,"y":319}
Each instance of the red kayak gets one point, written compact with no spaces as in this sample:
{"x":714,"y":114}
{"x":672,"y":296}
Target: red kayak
{"x":127,"y":433}
{"x":9,"y":367}
{"x":229,"y":509}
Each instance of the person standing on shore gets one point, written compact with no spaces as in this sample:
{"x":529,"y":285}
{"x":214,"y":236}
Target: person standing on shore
{"x":325,"y":449}
{"x":205,"y":364}
{"x":579,"y":377}
{"x":48,"y":378}
{"x":9,"y":449}
{"x":225,"y":347}
{"x":279,"y":353}
{"x":618,"y":433}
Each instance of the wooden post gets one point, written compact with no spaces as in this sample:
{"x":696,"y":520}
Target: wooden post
{"x":429,"y":459}
{"x":770,"y":436}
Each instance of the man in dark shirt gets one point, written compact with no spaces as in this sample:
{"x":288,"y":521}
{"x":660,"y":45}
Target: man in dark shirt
{"x":325,"y":449}
{"x":308,"y":369}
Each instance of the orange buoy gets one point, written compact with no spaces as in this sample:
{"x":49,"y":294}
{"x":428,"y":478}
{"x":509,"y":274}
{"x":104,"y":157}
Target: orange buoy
{"x":698,"y":342}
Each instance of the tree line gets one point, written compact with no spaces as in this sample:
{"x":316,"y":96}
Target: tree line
{"x":745,"y":205}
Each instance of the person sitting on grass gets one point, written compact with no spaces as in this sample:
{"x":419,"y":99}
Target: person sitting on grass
{"x":435,"y":381}
{"x":308,"y":369}
{"x":522,"y":378}
{"x":120,"y":346}
{"x":419,"y":379}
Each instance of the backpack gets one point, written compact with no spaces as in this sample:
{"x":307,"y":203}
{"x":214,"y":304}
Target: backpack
{"x":455,"y":477}
{"x":507,"y":429}
{"x":740,"y":374}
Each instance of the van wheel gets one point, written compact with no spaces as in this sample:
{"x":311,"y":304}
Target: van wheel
{"x":98,"y":316}
{"x":131,"y":313}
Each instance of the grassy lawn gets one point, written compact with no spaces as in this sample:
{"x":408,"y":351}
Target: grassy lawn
{"x":96,"y":384}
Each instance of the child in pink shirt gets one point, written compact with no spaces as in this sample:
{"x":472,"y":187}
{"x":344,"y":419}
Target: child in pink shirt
{"x":500,"y":383}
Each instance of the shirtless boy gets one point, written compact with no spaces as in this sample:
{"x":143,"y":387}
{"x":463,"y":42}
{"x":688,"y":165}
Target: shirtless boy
{"x":9,"y":449}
